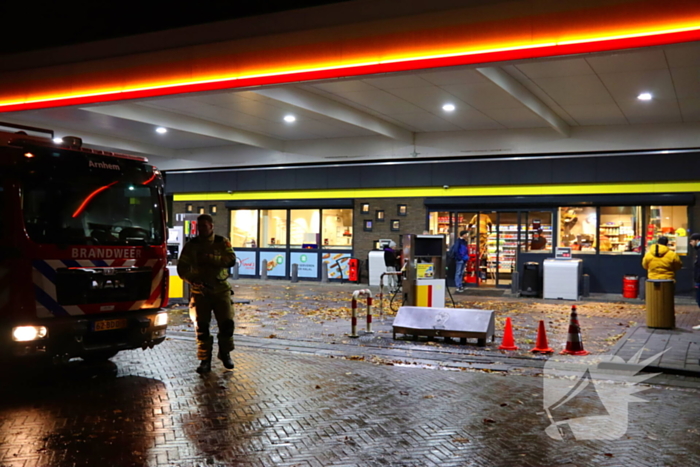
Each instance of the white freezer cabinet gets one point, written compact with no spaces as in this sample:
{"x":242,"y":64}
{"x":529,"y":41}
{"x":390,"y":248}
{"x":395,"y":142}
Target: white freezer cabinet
{"x":562,"y":278}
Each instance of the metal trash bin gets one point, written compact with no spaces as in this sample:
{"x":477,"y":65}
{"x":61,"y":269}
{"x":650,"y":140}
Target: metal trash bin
{"x":531,"y":285}
{"x":661,"y":312}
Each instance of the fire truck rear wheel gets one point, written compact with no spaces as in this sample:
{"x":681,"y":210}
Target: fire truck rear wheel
{"x":99,"y":356}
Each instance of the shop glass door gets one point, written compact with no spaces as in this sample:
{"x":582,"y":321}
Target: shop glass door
{"x":503,"y":244}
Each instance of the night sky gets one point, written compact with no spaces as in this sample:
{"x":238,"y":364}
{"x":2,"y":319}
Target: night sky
{"x":31,"y":26}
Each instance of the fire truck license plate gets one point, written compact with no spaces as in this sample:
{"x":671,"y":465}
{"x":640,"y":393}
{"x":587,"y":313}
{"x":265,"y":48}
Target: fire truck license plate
{"x":109,"y":324}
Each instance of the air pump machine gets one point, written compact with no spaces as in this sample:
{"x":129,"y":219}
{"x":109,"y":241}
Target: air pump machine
{"x":423,"y":281}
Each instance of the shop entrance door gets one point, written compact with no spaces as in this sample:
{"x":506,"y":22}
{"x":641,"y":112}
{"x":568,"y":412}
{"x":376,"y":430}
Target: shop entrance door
{"x":494,"y":239}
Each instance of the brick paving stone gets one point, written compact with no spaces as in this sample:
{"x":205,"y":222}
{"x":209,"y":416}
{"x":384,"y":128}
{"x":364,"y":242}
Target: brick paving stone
{"x":279,"y":408}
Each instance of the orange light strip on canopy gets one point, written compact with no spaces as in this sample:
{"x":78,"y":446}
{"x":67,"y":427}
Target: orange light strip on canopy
{"x":671,"y":34}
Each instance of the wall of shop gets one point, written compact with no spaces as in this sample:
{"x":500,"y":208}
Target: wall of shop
{"x":627,"y":179}
{"x":625,"y":167}
{"x":411,"y":223}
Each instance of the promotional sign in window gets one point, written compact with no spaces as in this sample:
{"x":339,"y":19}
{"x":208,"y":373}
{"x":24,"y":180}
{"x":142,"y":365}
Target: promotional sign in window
{"x":337,"y":265}
{"x":274,"y":262}
{"x":308,"y":264}
{"x":246,"y":263}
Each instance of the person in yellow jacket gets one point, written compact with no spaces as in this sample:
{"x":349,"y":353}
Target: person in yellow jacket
{"x":661,"y":261}
{"x":204,"y":264}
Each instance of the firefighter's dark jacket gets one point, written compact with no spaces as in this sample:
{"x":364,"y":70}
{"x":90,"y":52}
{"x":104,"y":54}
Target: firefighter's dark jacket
{"x":204,"y":263}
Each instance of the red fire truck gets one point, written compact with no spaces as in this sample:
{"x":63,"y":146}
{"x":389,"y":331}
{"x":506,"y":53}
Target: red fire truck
{"x":82,"y":249}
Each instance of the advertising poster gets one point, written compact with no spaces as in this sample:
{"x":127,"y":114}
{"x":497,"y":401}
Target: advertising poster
{"x":246,"y":263}
{"x":274,"y":262}
{"x":308,"y":264}
{"x":337,"y":265}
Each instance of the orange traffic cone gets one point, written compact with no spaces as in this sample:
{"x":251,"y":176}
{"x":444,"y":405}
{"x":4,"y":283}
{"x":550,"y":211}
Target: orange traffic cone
{"x":574,"y":344}
{"x":542,"y":345}
{"x":508,"y":341}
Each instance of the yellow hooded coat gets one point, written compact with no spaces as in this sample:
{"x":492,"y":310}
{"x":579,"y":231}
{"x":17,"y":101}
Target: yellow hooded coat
{"x":661,"y":262}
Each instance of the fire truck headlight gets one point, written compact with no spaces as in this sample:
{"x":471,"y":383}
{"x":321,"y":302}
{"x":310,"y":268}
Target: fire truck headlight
{"x":29,"y":333}
{"x":161,"y":319}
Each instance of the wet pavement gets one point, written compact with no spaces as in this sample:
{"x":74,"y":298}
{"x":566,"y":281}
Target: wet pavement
{"x":283,"y":408}
{"x":304,"y":394}
{"x":321,"y":313}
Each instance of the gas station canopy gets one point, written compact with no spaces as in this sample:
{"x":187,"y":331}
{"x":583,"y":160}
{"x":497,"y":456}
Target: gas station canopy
{"x":377,"y":80}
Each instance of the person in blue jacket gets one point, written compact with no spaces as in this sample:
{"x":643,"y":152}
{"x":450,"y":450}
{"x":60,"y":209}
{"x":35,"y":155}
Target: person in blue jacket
{"x":460,"y":251}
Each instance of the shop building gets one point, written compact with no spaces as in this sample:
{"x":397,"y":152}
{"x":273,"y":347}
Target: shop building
{"x":517,"y":210}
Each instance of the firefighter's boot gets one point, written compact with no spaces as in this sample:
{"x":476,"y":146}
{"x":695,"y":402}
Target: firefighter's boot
{"x":204,"y":366}
{"x":225,"y":358}
{"x":204,"y":350}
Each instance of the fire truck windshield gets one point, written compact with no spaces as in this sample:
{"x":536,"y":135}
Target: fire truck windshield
{"x":93,"y":208}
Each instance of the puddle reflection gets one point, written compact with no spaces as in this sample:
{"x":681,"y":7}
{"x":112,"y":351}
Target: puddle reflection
{"x":223,"y":424}
{"x":80,"y":415}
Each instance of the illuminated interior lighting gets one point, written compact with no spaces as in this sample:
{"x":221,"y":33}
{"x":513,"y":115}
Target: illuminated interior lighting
{"x":28,"y":155}
{"x":645,"y":96}
{"x":290,"y":118}
{"x":89,"y":198}
{"x":161,"y":130}
{"x":448,"y":107}
{"x":58,"y":140}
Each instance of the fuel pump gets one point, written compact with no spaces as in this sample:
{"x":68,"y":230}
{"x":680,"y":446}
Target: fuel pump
{"x":424,"y":261}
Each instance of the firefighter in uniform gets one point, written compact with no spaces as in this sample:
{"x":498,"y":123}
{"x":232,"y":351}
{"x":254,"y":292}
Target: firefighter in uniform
{"x":204,"y":264}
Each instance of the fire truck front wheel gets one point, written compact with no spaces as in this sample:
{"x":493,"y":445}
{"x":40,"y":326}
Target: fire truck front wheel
{"x":99,"y":356}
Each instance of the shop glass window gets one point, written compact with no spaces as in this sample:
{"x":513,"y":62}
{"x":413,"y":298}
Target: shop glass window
{"x":244,"y":228}
{"x":305,"y":228}
{"x":536,"y":231}
{"x":620,"y":230}
{"x":337,"y":228}
{"x":577,"y":228}
{"x":668,"y":221}
{"x":273,"y":228}
{"x":439,"y":223}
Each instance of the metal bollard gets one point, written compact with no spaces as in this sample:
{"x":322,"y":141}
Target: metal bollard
{"x":234,"y":272}
{"x":642,"y":288}
{"x":353,"y":319}
{"x":263,"y":272}
{"x":586,"y":286}
{"x":295,"y":272}
{"x":369,"y":314}
{"x":324,"y":272}
{"x":353,"y":323}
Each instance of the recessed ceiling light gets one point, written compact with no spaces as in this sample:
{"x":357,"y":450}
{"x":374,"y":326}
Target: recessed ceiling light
{"x":290,"y":118}
{"x":161,"y":130}
{"x":58,"y":140}
{"x":448,"y":107}
{"x":645,"y":96}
